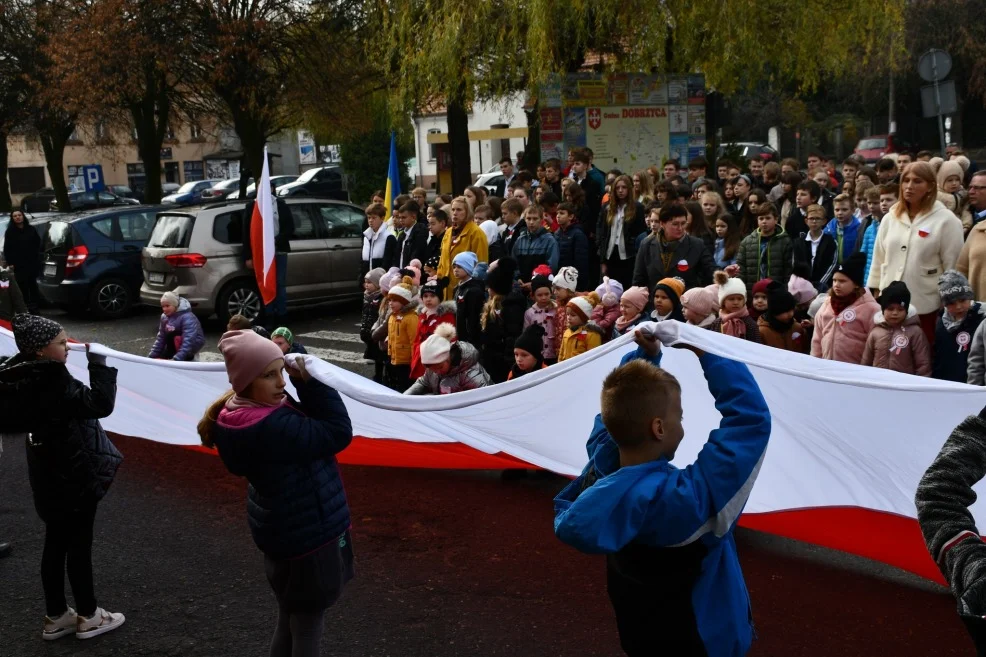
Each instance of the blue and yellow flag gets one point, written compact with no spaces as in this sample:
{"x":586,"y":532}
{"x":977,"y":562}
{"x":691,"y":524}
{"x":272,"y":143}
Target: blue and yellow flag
{"x":393,"y":177}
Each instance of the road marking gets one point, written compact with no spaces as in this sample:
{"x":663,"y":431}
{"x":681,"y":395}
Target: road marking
{"x":336,"y":355}
{"x":337,"y":336}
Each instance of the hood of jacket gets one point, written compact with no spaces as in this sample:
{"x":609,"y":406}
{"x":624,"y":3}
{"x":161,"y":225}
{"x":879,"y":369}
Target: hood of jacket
{"x":468,"y":357}
{"x":444,"y":308}
{"x":777,"y":233}
{"x":911,"y":319}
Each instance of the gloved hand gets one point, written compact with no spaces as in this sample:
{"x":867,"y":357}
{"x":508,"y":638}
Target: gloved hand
{"x":94,"y":358}
{"x":297,"y":368}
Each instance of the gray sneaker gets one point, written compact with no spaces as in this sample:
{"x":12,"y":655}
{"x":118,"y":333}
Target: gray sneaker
{"x":56,"y":628}
{"x":99,"y":623}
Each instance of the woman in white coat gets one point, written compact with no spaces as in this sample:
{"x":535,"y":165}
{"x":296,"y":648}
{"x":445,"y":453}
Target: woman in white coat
{"x":918,"y":240}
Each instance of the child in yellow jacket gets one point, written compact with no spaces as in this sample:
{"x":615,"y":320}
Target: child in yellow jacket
{"x":581,"y":334}
{"x":402,"y":330}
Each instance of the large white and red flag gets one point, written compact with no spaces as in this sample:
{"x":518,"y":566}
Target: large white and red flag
{"x":262,"y":233}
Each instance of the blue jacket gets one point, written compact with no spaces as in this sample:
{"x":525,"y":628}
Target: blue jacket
{"x":951,"y":350}
{"x":180,"y":336}
{"x":849,"y":236}
{"x":869,"y":244}
{"x":296,"y":502}
{"x":674,"y":577}
{"x":573,"y":249}
{"x":532,"y":250}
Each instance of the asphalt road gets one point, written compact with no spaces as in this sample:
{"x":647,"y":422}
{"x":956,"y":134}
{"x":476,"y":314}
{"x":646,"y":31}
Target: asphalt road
{"x":449,"y":563}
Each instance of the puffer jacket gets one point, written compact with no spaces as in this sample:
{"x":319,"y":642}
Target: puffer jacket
{"x":402,"y":331}
{"x":296,"y":502}
{"x":465,"y":373}
{"x":779,"y":255}
{"x":605,"y":318}
{"x":11,"y":298}
{"x":902,"y":349}
{"x":794,"y":339}
{"x":70,"y":459}
{"x":371,"y":312}
{"x":843,"y":337}
{"x":545,"y":318}
{"x":503,"y":327}
{"x":444,"y":314}
{"x":180,"y":336}
{"x":576,"y":342}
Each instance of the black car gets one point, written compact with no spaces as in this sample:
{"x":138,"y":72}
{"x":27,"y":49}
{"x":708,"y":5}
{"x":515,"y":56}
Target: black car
{"x":321,"y":182}
{"x":89,"y":200}
{"x":39,"y":201}
{"x":91,"y":260}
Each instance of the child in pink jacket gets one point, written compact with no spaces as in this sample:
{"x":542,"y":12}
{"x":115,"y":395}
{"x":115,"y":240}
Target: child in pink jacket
{"x":897,"y":342}
{"x":607,"y":311}
{"x":845,"y":320}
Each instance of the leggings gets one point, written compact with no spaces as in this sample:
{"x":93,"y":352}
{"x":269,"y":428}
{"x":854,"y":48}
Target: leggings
{"x":68,"y":536}
{"x":298,"y":634}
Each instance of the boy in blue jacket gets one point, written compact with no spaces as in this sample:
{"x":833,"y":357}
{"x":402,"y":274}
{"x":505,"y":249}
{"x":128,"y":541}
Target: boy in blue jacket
{"x":673,"y":575}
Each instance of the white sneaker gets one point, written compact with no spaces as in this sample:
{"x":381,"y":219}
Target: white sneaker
{"x":99,"y":623}
{"x":56,"y":628}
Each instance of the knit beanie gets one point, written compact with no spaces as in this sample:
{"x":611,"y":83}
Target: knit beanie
{"x":33,"y":333}
{"x":247,"y":355}
{"x":467,"y":260}
{"x":610,"y":291}
{"x":389,"y":279}
{"x":283,"y":332}
{"x":760,"y":287}
{"x":500,"y":279}
{"x":936,"y":163}
{"x":895,"y":293}
{"x":433,"y":262}
{"x":414,"y":273}
{"x":700,"y":299}
{"x":673,"y":287}
{"x":402,"y":292}
{"x":567,"y":278}
{"x":170,"y":298}
{"x":953,"y":286}
{"x":436,"y":348}
{"x":963,"y":162}
{"x":854,"y":267}
{"x":779,"y":300}
{"x":949,"y":168}
{"x":431,"y":287}
{"x":582,"y":306}
{"x":542,"y":270}
{"x":531,"y":340}
{"x":637,"y":297}
{"x":730,"y":287}
{"x":539,"y":282}
{"x":802,"y":289}
{"x":374,"y":275}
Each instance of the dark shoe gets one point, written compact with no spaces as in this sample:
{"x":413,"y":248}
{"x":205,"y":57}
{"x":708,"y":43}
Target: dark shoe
{"x":5,"y":550}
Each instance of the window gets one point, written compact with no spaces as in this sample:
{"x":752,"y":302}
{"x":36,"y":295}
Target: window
{"x":194,"y":171}
{"x":26,"y":180}
{"x":136,"y":227}
{"x":104,"y":227}
{"x":341,"y":221}
{"x":133,"y":134}
{"x":169,"y":132}
{"x":196,"y":130}
{"x":106,"y":197}
{"x":100,"y":131}
{"x":136,"y":180}
{"x":171,"y":231}
{"x":433,"y":148}
{"x":227,"y":228}
{"x":304,"y":217}
{"x":74,"y":137}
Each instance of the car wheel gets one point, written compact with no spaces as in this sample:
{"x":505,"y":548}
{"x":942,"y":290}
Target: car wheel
{"x":110,"y":298}
{"x":239,"y":298}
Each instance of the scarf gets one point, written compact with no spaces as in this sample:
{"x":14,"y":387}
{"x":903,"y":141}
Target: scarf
{"x":733,"y":324}
{"x":667,"y":252}
{"x":236,"y":402}
{"x":950,"y":323}
{"x":622,"y":324}
{"x":841,"y":303}
{"x":708,"y":321}
{"x":780,"y":327}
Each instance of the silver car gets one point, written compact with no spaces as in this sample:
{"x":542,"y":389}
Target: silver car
{"x":197,"y":253}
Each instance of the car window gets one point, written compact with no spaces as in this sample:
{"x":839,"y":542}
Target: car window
{"x":105,"y":197}
{"x":104,"y":227}
{"x":304,"y":217}
{"x":341,"y":221}
{"x":227,"y":228}
{"x":136,"y":227}
{"x":171,"y":231}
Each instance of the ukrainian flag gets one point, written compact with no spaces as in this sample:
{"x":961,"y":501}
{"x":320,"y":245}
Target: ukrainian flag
{"x":393,"y":177}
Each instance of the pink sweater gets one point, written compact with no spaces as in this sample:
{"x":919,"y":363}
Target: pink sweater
{"x":843,"y":337}
{"x":606,"y":318}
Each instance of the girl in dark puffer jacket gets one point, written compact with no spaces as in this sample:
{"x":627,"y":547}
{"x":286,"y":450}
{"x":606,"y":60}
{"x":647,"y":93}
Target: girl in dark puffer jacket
{"x":296,"y":503}
{"x":71,"y":464}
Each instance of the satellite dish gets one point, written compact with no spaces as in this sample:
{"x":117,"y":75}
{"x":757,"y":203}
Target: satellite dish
{"x":934,"y":65}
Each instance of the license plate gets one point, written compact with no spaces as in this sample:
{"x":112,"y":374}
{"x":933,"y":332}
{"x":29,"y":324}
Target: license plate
{"x":51,"y":270}
{"x":155,"y":278}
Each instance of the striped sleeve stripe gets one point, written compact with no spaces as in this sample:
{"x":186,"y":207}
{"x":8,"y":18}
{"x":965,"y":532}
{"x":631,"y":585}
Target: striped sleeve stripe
{"x":955,"y":540}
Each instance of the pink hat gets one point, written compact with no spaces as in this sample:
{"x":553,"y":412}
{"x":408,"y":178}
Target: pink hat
{"x":247,"y":355}
{"x":701,"y":299}
{"x":636,"y":297}
{"x":801,"y":289}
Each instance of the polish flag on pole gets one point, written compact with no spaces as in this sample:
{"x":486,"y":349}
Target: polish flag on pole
{"x":262,"y":232}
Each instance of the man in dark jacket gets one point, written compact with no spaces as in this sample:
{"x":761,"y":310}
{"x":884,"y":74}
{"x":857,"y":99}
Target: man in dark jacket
{"x":22,"y":252}
{"x":672,"y":253}
{"x":282,"y":243}
{"x":592,"y":188}
{"x":413,"y":244}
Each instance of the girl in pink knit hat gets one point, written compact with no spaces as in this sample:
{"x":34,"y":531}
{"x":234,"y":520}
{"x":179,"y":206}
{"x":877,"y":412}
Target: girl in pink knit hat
{"x":700,"y":305}
{"x":632,"y":305}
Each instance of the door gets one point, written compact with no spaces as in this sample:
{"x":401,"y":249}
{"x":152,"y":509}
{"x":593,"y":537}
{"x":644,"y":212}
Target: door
{"x":171,"y":172}
{"x":343,"y":226}
{"x":133,"y":231}
{"x":308,"y":265}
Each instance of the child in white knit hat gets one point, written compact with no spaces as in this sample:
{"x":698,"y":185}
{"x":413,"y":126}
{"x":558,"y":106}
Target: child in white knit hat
{"x":734,"y":317}
{"x":582,"y":334}
{"x":607,"y":311}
